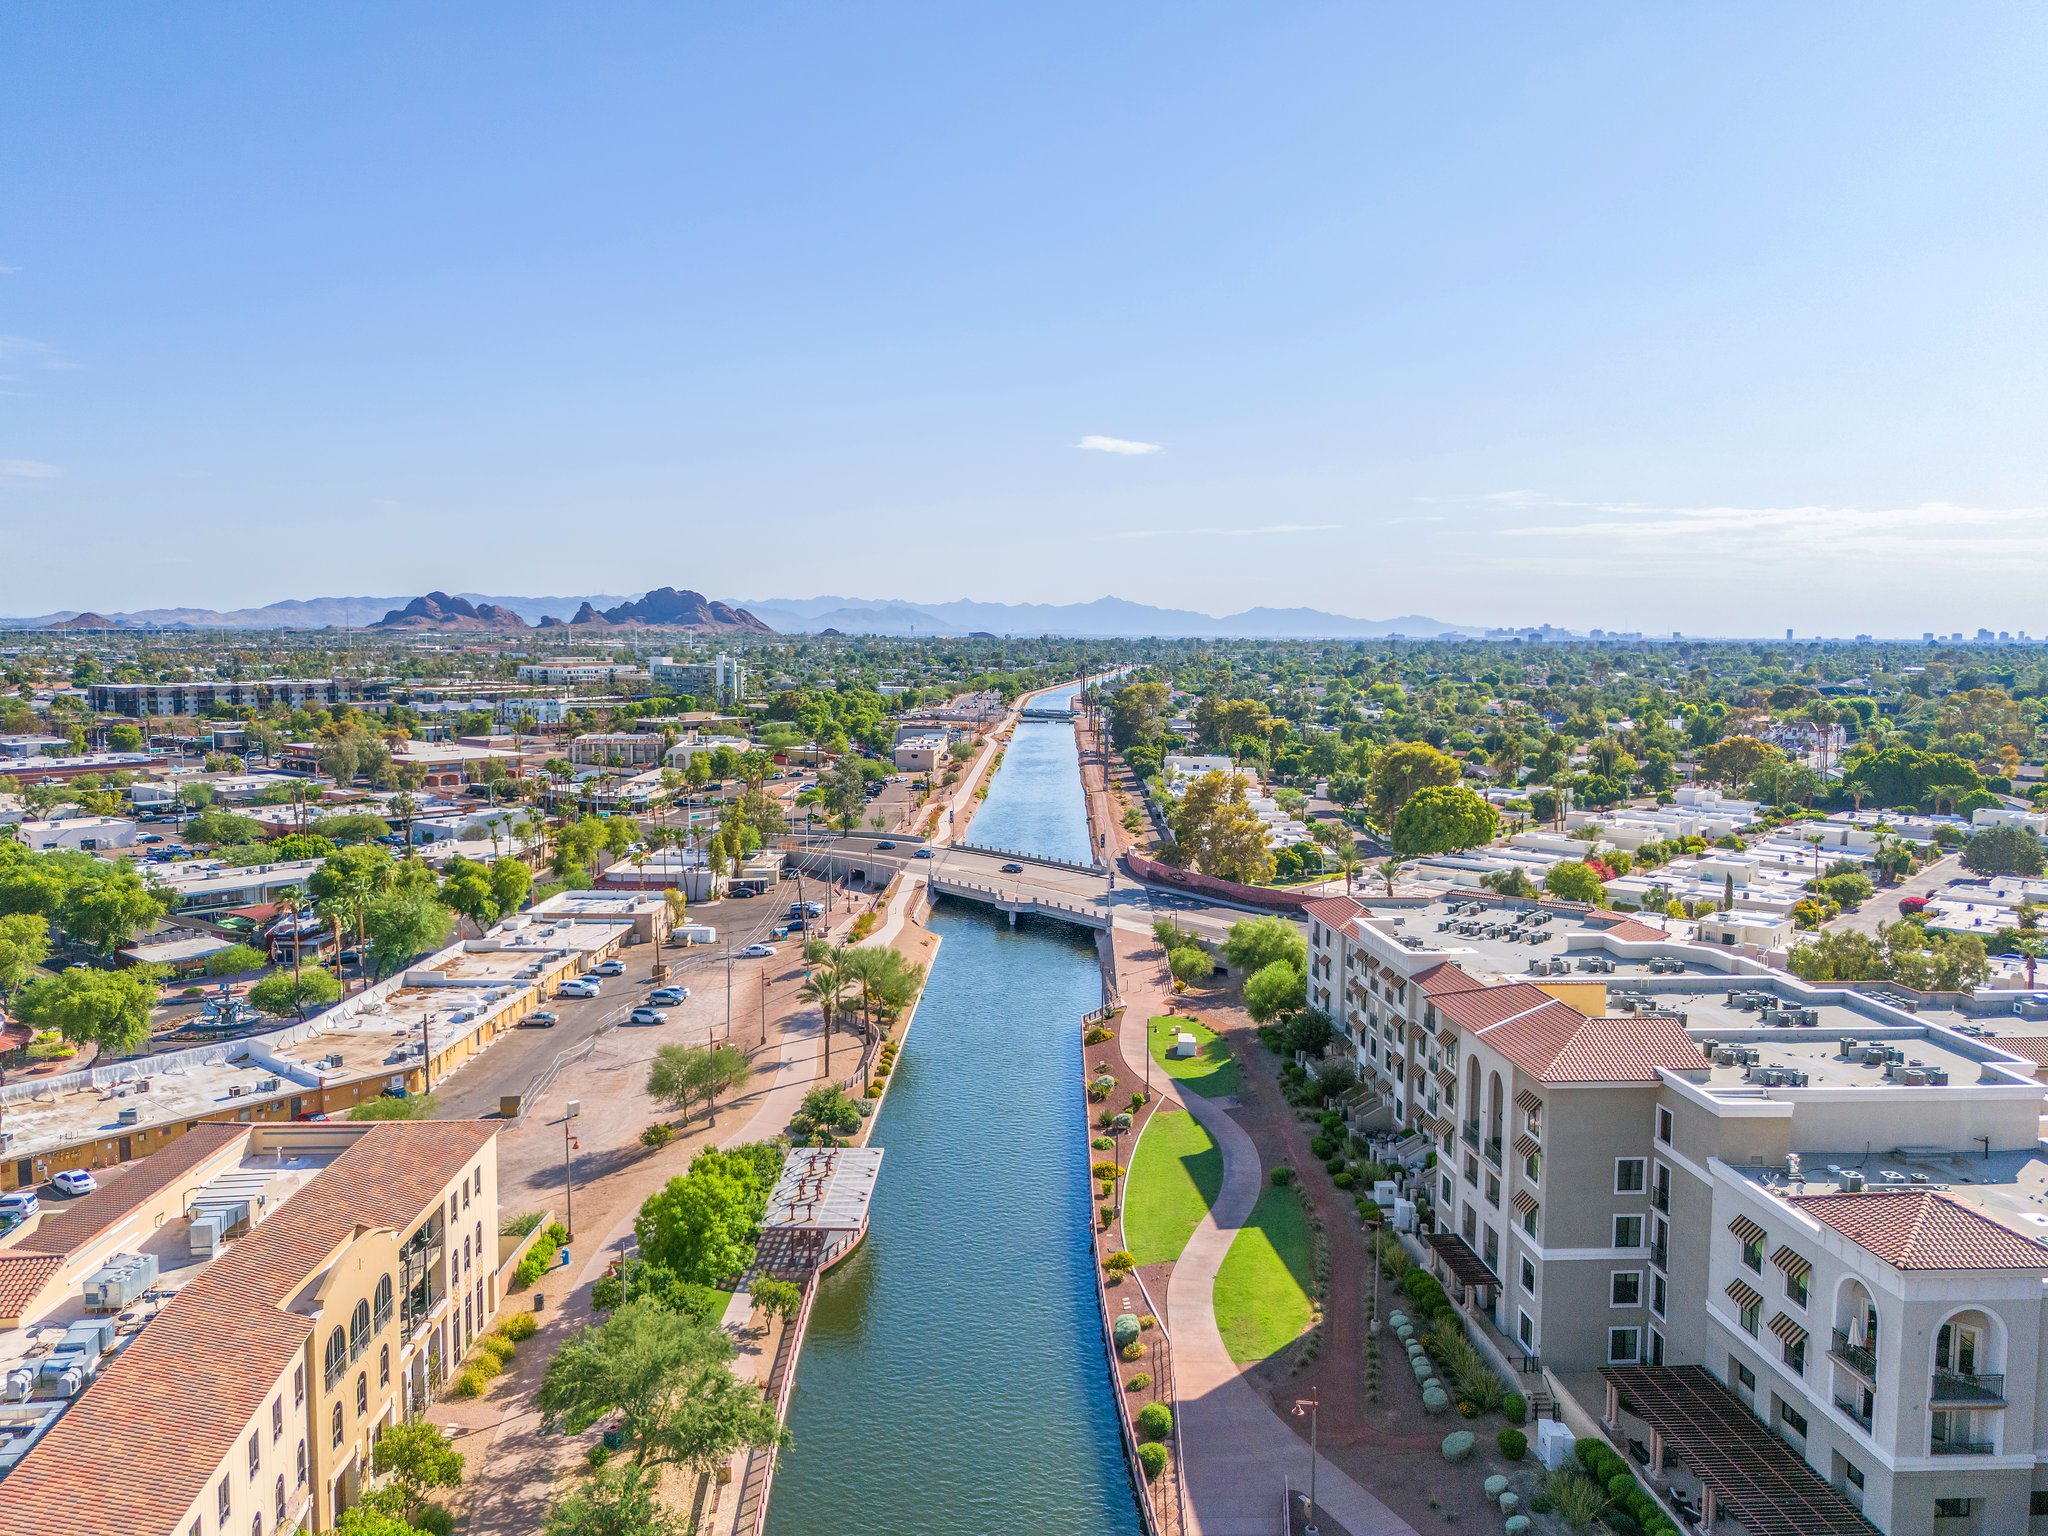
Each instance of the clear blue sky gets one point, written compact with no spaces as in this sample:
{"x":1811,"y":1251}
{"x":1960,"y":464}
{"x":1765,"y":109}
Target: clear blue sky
{"x":1709,"y":317}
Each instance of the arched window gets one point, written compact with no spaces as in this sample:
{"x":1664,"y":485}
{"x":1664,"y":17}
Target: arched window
{"x":362,"y":1392}
{"x":302,"y":1463}
{"x":256,"y":1524}
{"x":359,"y":1330}
{"x":384,"y":1291}
{"x":335,"y":1425}
{"x":336,"y":1357}
{"x":384,"y":1365}
{"x":280,"y":1498}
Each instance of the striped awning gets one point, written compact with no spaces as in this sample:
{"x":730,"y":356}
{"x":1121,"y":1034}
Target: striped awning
{"x":1787,"y":1329}
{"x":1528,"y":1100}
{"x":1523,"y":1202}
{"x":1444,"y":1129}
{"x":1745,"y":1230}
{"x":1744,"y":1296}
{"x":1791,"y":1263}
{"x":1447,"y":1074}
{"x":1447,"y":1038}
{"x":1527,"y":1146}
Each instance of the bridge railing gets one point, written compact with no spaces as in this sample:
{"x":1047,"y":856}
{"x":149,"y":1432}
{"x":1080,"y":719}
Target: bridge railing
{"x":990,"y":850}
{"x":1022,"y":901}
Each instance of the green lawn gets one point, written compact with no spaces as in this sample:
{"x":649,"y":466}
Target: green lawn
{"x":1262,"y":1290}
{"x":1173,"y":1181}
{"x":1212,"y":1071}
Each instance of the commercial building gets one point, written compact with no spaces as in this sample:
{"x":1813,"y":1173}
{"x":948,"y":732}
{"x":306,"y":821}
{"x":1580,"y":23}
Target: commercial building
{"x":567,"y":670}
{"x":920,"y":753}
{"x":617,"y":749}
{"x":140,"y":701}
{"x":81,"y":834}
{"x":1669,"y":1185}
{"x":723,"y":677}
{"x":322,"y":1280}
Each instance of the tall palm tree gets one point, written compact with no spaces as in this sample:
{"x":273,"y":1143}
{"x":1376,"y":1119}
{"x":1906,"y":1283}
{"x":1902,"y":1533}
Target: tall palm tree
{"x":825,"y":986}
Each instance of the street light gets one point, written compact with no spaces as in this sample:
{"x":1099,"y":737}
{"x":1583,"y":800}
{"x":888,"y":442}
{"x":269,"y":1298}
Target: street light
{"x":569,"y":1112}
{"x":1310,"y":1406}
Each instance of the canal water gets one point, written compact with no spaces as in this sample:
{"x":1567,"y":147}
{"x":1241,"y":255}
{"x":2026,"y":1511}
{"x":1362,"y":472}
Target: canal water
{"x":953,"y":1379}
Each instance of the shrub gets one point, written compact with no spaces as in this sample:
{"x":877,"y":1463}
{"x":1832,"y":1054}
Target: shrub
{"x":1124,"y":1330}
{"x":1344,"y":1178}
{"x":497,"y":1346}
{"x":1575,"y":1496}
{"x":597,"y":1455}
{"x":1333,"y":1165}
{"x":1120,"y":1262}
{"x":434,"y":1519}
{"x":1457,"y":1446}
{"x":1283,"y":1176}
{"x":1152,"y":1457}
{"x":1322,"y":1147}
{"x":1096,"y":1035}
{"x":657,"y":1135}
{"x":1155,"y":1421}
{"x":1106,"y":1171}
{"x":1147,"y":1320}
{"x":519,"y":1326}
{"x":1133,"y":1351}
{"x":469,"y":1382}
{"x":1513,"y":1444}
{"x":519,"y":1226}
{"x":1141,"y":1382}
{"x":1103,"y":1144}
{"x":1107,"y":1210}
{"x":1516,"y":1407}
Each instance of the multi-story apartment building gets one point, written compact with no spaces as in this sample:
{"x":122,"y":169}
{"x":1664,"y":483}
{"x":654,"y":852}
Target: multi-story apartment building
{"x":723,"y":677}
{"x":139,"y":701}
{"x":618,"y":749}
{"x":1804,"y":1207}
{"x":354,"y":1264}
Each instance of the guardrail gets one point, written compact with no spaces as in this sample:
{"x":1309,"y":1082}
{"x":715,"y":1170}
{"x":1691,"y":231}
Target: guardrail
{"x":1017,"y":901}
{"x":991,"y":851}
{"x":751,"y":1517}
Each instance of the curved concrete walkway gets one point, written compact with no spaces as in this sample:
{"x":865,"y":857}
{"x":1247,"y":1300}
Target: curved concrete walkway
{"x":1240,"y":1452}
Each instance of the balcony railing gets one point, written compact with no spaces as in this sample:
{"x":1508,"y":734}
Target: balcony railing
{"x":1660,"y":1197}
{"x":1853,"y":1414}
{"x":1471,"y":1133}
{"x":1967,"y":1387}
{"x":1491,"y":1151}
{"x":1941,"y":1447}
{"x":1659,"y":1257}
{"x":1860,"y":1358}
{"x":381,"y":1317}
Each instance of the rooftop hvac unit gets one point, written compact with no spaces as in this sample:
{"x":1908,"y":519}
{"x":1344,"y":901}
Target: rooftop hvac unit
{"x":21,"y":1381}
{"x":128,"y":1117}
{"x":1937,"y":1077}
{"x":236,"y":1090}
{"x":1850,"y":1046}
{"x":1726,"y":1055}
{"x":63,"y":1378}
{"x":120,"y":1282}
{"x":1875,"y":1055}
{"x":333,"y":1059}
{"x":269,"y":1084}
{"x":1852,"y":1181}
{"x":1913,"y":1077}
{"x":206,"y":1233}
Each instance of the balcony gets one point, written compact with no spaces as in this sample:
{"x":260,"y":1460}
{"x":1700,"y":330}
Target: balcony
{"x":1967,"y":1387}
{"x":1853,"y":1414}
{"x":1660,"y":1197}
{"x":1660,"y":1257}
{"x":1943,"y":1447}
{"x":1471,"y":1133}
{"x":1860,"y":1358}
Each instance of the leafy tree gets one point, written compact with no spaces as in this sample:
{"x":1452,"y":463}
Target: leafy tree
{"x":370,"y":1517}
{"x":615,"y":1501}
{"x":1737,"y":760}
{"x":826,"y":1112}
{"x":417,"y":1457}
{"x":351,"y":827}
{"x":1257,"y":942}
{"x":215,"y":829}
{"x":347,"y":882}
{"x":466,"y":889}
{"x":511,"y":883}
{"x":402,"y":925}
{"x":1444,"y":818}
{"x":778,"y":1298}
{"x":1217,"y":831}
{"x":1510,"y":882}
{"x":1190,"y":963}
{"x":235,"y":959}
{"x":109,"y":905}
{"x":299,"y":845}
{"x":1137,"y":712}
{"x":2003,"y":851}
{"x":1275,"y":989}
{"x":1400,"y":773}
{"x":682,"y":1075}
{"x":24,"y":945}
{"x":702,"y":1224}
{"x":1574,"y":880}
{"x":108,"y":1008}
{"x":414,"y":1106}
{"x":283,"y":995}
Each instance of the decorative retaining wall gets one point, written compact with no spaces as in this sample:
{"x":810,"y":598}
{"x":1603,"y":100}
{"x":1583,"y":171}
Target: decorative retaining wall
{"x":1152,"y":872}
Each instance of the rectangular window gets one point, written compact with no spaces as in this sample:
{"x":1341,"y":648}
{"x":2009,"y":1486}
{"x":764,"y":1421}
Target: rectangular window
{"x":1628,"y":1175}
{"x":1532,"y":1165}
{"x":1471,"y":1170}
{"x":1797,"y":1286}
{"x":1628,"y":1231}
{"x":1525,"y":1330}
{"x":1749,"y":1319}
{"x":1853,"y":1475}
{"x":1745,"y":1380}
{"x":1625,"y":1288}
{"x":1753,"y":1254}
{"x":298,"y":1385}
{"x":1795,"y":1355}
{"x":277,"y":1418}
{"x":2037,"y":1502}
{"x":1624,"y":1345}
{"x":225,"y":1507}
{"x":255,"y":1454}
{"x":1657,"y":1294}
{"x":1664,"y":1126}
{"x":1528,"y":1277}
{"x":1954,"y":1509}
{"x":1791,"y":1418}
{"x":1493,"y":1190}
{"x":1449,"y":1189}
{"x":1656,"y":1348}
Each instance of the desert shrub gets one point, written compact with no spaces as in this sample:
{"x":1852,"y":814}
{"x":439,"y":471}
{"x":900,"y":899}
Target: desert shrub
{"x":1103,"y":1144}
{"x":1575,"y":1496}
{"x":519,"y":1326}
{"x":1516,"y":1407}
{"x":1124,"y":1330}
{"x":1152,"y":1457}
{"x":1132,"y":1351}
{"x":1141,"y":1382}
{"x":1097,"y":1033}
{"x":1105,"y":1171}
{"x":497,"y":1346}
{"x":1344,"y":1178}
{"x":1513,"y":1444}
{"x":469,"y":1382}
{"x":1147,"y":1320}
{"x":1120,"y":1262}
{"x":1322,"y":1147}
{"x":519,"y":1226}
{"x":1283,"y":1176}
{"x":657,"y":1135}
{"x":1155,"y":1421}
{"x":1334,"y":1165}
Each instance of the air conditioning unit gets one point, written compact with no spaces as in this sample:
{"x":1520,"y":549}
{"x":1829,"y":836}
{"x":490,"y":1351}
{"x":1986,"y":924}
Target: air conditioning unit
{"x":128,"y":1117}
{"x":236,"y":1090}
{"x":269,"y":1084}
{"x":1852,"y":1181}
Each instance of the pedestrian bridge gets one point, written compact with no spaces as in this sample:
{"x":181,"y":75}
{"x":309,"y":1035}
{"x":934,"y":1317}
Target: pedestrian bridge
{"x":1044,"y":712}
{"x":1024,"y":897}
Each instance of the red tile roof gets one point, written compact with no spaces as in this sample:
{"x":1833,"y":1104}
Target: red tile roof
{"x":1635,"y":929}
{"x":140,"y":1446}
{"x":1444,"y":978}
{"x":1479,"y":1008}
{"x":1333,"y":911}
{"x":1919,"y":1229}
{"x":77,"y":1223}
{"x":22,"y":1276}
{"x":1558,"y":1044}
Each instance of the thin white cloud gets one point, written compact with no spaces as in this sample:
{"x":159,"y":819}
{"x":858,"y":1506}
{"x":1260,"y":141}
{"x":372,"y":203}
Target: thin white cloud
{"x":8,"y":271}
{"x":1229,"y":533}
{"x":28,"y":469}
{"x":1124,"y":445}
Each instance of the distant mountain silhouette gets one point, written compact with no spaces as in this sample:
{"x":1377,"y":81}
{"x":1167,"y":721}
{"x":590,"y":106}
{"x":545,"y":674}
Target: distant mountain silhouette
{"x":85,"y":621}
{"x":668,"y":608}
{"x":437,"y":610}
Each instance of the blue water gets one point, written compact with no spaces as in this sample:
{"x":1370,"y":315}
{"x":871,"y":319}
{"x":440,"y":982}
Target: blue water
{"x":953,"y":1378}
{"x":1035,"y":804}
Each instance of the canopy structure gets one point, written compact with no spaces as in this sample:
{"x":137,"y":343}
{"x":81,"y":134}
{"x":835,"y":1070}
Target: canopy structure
{"x":818,"y":1209}
{"x":1466,"y":1267}
{"x":1745,"y":1470}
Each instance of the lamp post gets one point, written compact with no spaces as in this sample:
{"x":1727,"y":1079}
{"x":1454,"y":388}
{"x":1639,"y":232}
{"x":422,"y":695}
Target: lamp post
{"x":427,"y":1051}
{"x":728,"y":985}
{"x":569,"y":1112}
{"x":1309,"y":1407}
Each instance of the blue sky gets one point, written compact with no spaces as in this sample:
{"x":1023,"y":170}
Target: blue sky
{"x":1712,"y":318}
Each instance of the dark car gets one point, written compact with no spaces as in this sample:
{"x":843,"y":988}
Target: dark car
{"x":1013,"y":869}
{"x":884,"y":846}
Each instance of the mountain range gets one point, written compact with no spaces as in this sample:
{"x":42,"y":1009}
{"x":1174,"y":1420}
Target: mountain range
{"x":1105,"y":617}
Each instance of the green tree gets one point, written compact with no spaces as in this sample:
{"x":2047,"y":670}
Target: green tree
{"x":283,"y":995}
{"x":1276,"y":989}
{"x":1217,"y":831}
{"x":1574,"y":880}
{"x":467,"y":890}
{"x":24,"y":945}
{"x":417,"y":1457}
{"x":778,"y":1298}
{"x":1257,"y":942}
{"x":1190,"y":963}
{"x":414,"y":1106}
{"x":218,"y":829}
{"x":701,"y":1225}
{"x":1400,"y":773}
{"x":2003,"y":851}
{"x":1137,"y":712}
{"x":614,"y":1501}
{"x":1444,"y":818}
{"x":235,"y":959}
{"x":109,"y":906}
{"x":110,"y":1009}
{"x":402,"y":925}
{"x":511,"y":883}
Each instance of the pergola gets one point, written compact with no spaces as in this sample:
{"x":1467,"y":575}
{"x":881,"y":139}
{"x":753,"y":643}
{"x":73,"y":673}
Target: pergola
{"x":818,"y":1209}
{"x":1744,"y":1469}
{"x":1466,"y":1267}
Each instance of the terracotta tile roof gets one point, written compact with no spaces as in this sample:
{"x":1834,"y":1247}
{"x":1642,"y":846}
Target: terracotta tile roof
{"x":1558,"y":1044}
{"x":75,"y":1224}
{"x":1918,"y":1229}
{"x":2033,"y":1047}
{"x":22,"y":1275}
{"x":1635,"y":930}
{"x":1481,"y":1008}
{"x":207,"y":1363}
{"x":1444,"y":978}
{"x":1334,"y":911}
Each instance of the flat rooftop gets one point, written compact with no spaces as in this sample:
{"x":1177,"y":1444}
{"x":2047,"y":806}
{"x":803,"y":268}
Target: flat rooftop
{"x":1818,"y":1053}
{"x":2010,"y":1188}
{"x":1485,"y":938}
{"x":197,"y":876}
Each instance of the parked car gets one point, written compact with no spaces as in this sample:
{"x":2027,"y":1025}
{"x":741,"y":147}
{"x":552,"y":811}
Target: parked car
{"x":540,"y":1018}
{"x":1013,"y":869}
{"x":669,"y":995}
{"x":73,"y":1182}
{"x":741,"y":892}
{"x":649,"y":1016}
{"x":609,"y":968}
{"x":758,"y":951}
{"x":19,"y":1205}
{"x":579,"y":988}
{"x":922,"y":853}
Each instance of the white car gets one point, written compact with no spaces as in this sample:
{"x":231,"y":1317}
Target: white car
{"x":758,"y":951}
{"x":73,"y":1182}
{"x":648,"y":1016}
{"x":609,"y":968}
{"x":579,"y":988}
{"x":19,"y":1205}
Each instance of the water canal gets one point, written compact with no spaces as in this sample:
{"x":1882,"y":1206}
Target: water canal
{"x":953,"y":1377}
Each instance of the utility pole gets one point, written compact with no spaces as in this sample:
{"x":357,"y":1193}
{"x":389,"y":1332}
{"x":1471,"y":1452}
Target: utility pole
{"x":569,"y":1112}
{"x":427,"y":1051}
{"x":728,"y":984}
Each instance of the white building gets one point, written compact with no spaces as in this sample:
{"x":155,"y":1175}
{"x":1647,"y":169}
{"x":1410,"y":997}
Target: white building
{"x":81,"y":834}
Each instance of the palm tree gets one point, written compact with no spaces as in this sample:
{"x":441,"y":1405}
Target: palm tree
{"x":825,"y":985}
{"x":290,"y":906}
{"x":1348,"y":861}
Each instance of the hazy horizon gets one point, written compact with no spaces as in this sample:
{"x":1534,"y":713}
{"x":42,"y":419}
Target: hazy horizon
{"x":1640,"y":319}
